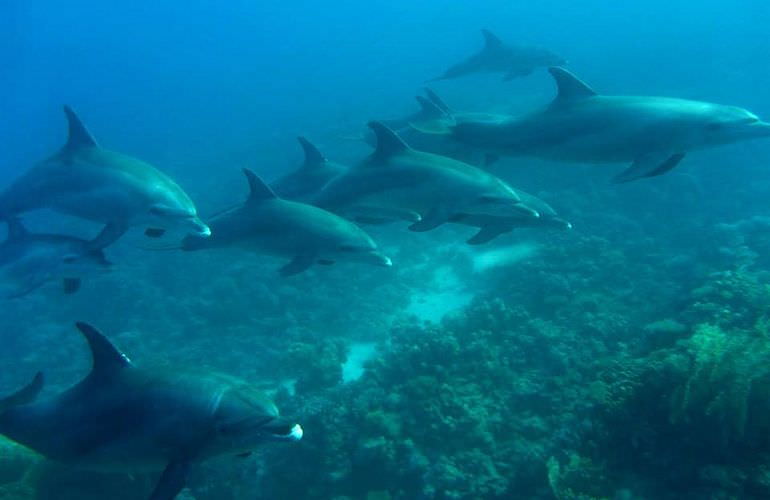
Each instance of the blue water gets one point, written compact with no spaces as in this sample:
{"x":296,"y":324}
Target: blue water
{"x":517,"y":369}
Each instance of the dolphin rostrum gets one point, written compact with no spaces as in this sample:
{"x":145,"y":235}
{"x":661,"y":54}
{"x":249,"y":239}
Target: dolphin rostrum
{"x":653,"y":133}
{"x":498,"y":57}
{"x":314,"y":173}
{"x":93,"y":183}
{"x":124,"y":418}
{"x":303,"y":233}
{"x":397,"y":182}
{"x":29,"y":260}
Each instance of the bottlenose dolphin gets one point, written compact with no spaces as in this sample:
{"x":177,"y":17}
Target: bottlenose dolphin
{"x":498,"y":57}
{"x":124,"y":418}
{"x":28,"y":261}
{"x":304,"y":233}
{"x":314,"y":173}
{"x":492,"y":227}
{"x":87,"y":181}
{"x":654,"y":133}
{"x":397,"y":182}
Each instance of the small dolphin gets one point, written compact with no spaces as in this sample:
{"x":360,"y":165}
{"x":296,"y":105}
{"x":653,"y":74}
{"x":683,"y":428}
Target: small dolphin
{"x":397,"y":182}
{"x":87,"y":181}
{"x":498,"y":57}
{"x":124,"y":418}
{"x":492,"y":227}
{"x":306,"y":234}
{"x":314,"y":173}
{"x":28,"y":261}
{"x":654,"y":133}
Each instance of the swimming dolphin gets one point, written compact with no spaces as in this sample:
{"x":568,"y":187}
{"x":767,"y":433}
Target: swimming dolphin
{"x":28,"y":261}
{"x":304,"y":233}
{"x":654,"y":133}
{"x":87,"y":181}
{"x":314,"y":173}
{"x":398,"y":182}
{"x":124,"y":418}
{"x":498,"y":57}
{"x":492,"y":227}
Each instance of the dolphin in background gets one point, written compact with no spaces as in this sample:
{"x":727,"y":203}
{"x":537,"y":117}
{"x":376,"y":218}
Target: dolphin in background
{"x":124,"y":418}
{"x":652,"y":133}
{"x":87,"y":181}
{"x":305,"y":234}
{"x":30,"y":260}
{"x":314,"y":173}
{"x":513,"y":61}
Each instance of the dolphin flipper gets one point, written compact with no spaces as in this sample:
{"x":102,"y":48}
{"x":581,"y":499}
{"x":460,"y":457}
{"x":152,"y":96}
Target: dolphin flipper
{"x":109,"y":235}
{"x":172,"y":481}
{"x":487,"y":234}
{"x":298,"y":264}
{"x":648,"y":166}
{"x":25,"y":395}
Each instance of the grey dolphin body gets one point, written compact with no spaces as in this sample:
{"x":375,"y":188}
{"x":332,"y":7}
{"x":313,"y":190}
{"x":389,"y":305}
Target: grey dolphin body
{"x":303,"y":233}
{"x":654,"y":133}
{"x":314,"y":173}
{"x":498,"y":57}
{"x":87,"y":181}
{"x":397,"y":182}
{"x":124,"y":418}
{"x":30,"y":260}
{"x":492,"y":227}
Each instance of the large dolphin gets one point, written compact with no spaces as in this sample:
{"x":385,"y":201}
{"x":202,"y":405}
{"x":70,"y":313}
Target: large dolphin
{"x":87,"y":181}
{"x":303,"y":233}
{"x":653,"y":133}
{"x":498,"y":57}
{"x":314,"y":173}
{"x":30,"y":260}
{"x":124,"y":418}
{"x":398,"y":182}
{"x":492,"y":227}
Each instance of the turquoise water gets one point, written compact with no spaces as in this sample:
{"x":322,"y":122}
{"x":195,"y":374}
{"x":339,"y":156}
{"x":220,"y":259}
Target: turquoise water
{"x":625,"y":358}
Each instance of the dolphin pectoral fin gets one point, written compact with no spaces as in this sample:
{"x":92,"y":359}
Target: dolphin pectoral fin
{"x":432,"y":220}
{"x":172,"y":481}
{"x":298,"y":264}
{"x":109,"y":235}
{"x":244,"y":455}
{"x":154,"y":232}
{"x":648,"y":166}
{"x":70,"y":285}
{"x":487,"y":234}
{"x":25,"y":395}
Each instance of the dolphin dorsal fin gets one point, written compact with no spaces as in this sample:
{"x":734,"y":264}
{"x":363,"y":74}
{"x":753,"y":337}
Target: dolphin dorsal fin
{"x":79,"y":136}
{"x":429,"y":110}
{"x":435,"y":99}
{"x":313,"y":156}
{"x":258,"y":190}
{"x":107,"y":359}
{"x":388,"y":142}
{"x":16,"y":229}
{"x":569,"y":87}
{"x":490,"y":40}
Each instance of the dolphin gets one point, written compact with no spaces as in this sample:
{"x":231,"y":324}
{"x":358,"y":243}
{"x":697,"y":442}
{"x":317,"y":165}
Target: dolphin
{"x":28,"y":261}
{"x":397,"y":182}
{"x":492,"y":227}
{"x":90,"y":182}
{"x":314,"y":173}
{"x":304,"y":233}
{"x":653,"y":133}
{"x":498,"y":57}
{"x":124,"y":418}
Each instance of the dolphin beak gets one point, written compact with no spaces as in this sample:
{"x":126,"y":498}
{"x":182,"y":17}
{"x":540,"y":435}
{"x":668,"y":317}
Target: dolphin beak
{"x":279,"y":429}
{"x":203,"y":230}
{"x":381,"y":260}
{"x":526,"y":211}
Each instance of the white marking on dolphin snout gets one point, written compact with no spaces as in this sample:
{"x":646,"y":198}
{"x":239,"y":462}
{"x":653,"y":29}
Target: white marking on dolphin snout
{"x":296,"y":433}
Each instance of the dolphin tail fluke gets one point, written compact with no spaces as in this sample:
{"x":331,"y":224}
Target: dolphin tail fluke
{"x":23,"y":396}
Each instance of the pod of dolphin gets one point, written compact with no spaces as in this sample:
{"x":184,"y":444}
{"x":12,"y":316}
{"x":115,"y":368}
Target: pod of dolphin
{"x":426,"y":169}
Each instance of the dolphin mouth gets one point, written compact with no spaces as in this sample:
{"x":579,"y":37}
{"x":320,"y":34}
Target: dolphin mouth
{"x":283,"y":430}
{"x":381,"y":260}
{"x":202,"y":230}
